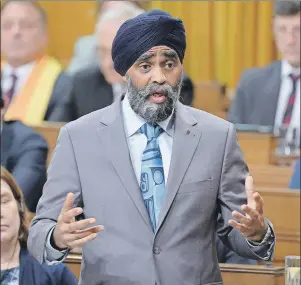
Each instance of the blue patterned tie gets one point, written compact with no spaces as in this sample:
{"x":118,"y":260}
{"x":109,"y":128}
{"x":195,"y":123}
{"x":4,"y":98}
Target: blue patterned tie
{"x":152,"y":182}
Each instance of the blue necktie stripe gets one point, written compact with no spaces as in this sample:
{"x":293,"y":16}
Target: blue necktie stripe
{"x":152,"y":183}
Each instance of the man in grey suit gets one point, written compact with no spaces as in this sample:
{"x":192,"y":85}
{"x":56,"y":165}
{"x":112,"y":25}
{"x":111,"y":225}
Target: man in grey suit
{"x":153,"y":174}
{"x":270,"y":96}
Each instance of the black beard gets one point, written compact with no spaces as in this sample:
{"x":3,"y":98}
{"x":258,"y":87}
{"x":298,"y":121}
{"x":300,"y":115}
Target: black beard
{"x":151,"y":112}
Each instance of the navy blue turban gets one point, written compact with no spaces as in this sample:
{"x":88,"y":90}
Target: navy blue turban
{"x":138,"y":35}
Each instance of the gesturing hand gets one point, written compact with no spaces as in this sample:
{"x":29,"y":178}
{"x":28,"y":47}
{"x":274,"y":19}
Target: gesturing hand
{"x":68,"y":232}
{"x":252,"y":225}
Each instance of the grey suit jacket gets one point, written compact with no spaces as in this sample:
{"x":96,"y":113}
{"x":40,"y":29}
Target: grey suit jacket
{"x":206,"y":178}
{"x":256,"y":96}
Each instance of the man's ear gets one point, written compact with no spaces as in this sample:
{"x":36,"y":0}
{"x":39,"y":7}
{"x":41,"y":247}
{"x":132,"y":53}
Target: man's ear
{"x":126,"y":78}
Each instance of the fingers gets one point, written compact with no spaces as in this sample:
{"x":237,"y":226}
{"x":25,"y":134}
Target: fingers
{"x":249,"y":186}
{"x":242,"y":219}
{"x":79,"y":225}
{"x":259,"y":203}
{"x":253,"y":213}
{"x":82,"y":241}
{"x":68,"y":203}
{"x":243,"y":229}
{"x":68,"y":217}
{"x":83,"y":233}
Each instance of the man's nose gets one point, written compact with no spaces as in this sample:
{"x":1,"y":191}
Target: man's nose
{"x":158,"y":76}
{"x":16,"y":29}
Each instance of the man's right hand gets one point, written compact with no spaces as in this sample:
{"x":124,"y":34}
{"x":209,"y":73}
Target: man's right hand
{"x":68,"y":232}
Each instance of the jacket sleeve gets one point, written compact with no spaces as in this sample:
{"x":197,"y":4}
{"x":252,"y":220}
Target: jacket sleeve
{"x":62,"y":178}
{"x":237,"y":110}
{"x":232,"y":195}
{"x":30,"y":168}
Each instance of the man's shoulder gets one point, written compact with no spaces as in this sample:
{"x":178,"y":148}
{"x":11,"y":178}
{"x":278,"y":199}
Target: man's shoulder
{"x":207,"y":120}
{"x":89,"y":121}
{"x":260,"y":73}
{"x":23,"y":133}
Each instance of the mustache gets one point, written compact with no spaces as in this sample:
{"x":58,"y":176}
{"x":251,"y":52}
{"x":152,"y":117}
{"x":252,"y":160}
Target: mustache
{"x":153,"y":88}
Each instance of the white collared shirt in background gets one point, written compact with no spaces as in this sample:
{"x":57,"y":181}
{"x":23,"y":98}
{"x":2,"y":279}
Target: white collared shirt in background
{"x":23,"y":72}
{"x":286,"y":87}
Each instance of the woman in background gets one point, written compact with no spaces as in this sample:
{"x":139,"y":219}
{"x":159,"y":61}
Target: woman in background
{"x":17,"y":264}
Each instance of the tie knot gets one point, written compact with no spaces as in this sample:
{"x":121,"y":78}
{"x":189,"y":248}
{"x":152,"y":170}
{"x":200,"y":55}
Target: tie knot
{"x":151,"y":131}
{"x":295,"y":77}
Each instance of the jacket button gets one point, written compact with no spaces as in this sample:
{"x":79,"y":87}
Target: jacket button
{"x":157,"y":249}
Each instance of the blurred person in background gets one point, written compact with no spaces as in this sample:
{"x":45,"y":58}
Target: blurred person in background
{"x":33,"y":83}
{"x":24,"y":154}
{"x":85,"y":48}
{"x":18,"y":266}
{"x":97,"y":87}
{"x":270,"y":96}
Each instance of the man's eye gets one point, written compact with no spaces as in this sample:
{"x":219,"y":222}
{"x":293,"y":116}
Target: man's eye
{"x":144,"y":67}
{"x":169,"y":65}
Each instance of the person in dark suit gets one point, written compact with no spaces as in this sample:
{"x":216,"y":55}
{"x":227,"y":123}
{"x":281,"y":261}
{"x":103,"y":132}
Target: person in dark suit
{"x":97,"y":87}
{"x":24,"y":154}
{"x":270,"y":95}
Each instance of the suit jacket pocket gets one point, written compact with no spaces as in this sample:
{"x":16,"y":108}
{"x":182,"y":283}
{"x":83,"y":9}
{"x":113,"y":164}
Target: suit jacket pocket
{"x":196,"y":186}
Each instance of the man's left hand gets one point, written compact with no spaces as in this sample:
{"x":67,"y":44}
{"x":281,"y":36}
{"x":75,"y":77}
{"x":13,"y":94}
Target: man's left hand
{"x":252,"y":225}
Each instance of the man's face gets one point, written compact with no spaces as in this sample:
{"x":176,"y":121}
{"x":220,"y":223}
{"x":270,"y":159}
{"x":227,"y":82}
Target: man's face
{"x":106,"y":37}
{"x":23,"y":35}
{"x":287,"y":37}
{"x":154,"y":84}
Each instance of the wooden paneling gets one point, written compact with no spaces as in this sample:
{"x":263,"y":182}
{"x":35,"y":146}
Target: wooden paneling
{"x":273,"y":176}
{"x":234,"y":274}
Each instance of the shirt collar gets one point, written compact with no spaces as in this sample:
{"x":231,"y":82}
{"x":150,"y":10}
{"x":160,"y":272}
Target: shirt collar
{"x":287,"y":69}
{"x":19,"y":71}
{"x":133,"y":122}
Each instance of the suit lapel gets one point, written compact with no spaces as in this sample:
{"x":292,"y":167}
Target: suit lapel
{"x":113,"y":139}
{"x":271,"y":94}
{"x":185,"y":142}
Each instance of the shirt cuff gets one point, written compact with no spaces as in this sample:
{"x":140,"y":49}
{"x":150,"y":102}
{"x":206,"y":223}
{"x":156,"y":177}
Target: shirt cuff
{"x":265,"y":248}
{"x":53,"y":256}
{"x":265,"y":240}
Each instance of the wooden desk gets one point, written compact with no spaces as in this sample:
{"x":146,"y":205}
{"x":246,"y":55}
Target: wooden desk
{"x":258,"y":148}
{"x":271,"y":175}
{"x":209,"y":97}
{"x":236,"y":274}
{"x":232,"y":274}
{"x":282,"y":207}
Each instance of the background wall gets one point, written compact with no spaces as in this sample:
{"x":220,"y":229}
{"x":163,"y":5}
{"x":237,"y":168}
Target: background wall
{"x":223,"y":37}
